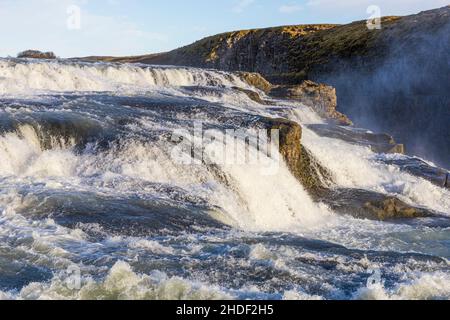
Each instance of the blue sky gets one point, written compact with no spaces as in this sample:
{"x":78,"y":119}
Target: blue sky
{"x":130,"y":27}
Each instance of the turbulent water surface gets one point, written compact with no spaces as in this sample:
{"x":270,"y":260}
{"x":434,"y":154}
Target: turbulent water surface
{"x":94,"y":206}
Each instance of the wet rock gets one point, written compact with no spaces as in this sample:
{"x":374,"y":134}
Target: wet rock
{"x":218,"y":92}
{"x":371,"y":205}
{"x":253,"y":95}
{"x":35,"y":54}
{"x":419,"y":168}
{"x":396,"y":148}
{"x":321,"y":98}
{"x":117,"y":216}
{"x":255,"y":80}
{"x":313,"y":176}
{"x":290,"y":134}
{"x":378,"y":142}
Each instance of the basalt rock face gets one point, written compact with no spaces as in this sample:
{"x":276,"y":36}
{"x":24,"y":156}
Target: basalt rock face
{"x":319,"y":97}
{"x":35,"y":54}
{"x":313,"y":176}
{"x":265,"y":51}
{"x":257,"y":81}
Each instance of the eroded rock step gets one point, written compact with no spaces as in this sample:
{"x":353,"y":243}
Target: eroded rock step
{"x":365,"y":204}
{"x":319,"y":97}
{"x":420,"y":168}
{"x":378,"y":142}
{"x":302,"y":164}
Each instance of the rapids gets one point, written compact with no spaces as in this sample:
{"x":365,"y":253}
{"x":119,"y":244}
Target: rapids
{"x":95,"y":206}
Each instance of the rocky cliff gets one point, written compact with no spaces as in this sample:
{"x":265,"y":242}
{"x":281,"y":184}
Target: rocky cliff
{"x":391,"y":80}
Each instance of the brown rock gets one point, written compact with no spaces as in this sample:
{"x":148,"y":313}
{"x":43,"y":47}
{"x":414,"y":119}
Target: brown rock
{"x":255,"y":80}
{"x":299,"y":160}
{"x":253,"y":95}
{"x":371,"y":205}
{"x":391,"y":208}
{"x":319,"y":97}
{"x":35,"y":54}
{"x":350,"y":57}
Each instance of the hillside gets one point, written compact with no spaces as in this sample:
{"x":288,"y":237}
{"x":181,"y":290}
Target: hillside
{"x":392,"y":80}
{"x":244,"y":50}
{"x":293,"y":53}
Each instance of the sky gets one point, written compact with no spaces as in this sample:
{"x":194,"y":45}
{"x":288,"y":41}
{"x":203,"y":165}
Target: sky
{"x":74,"y":28}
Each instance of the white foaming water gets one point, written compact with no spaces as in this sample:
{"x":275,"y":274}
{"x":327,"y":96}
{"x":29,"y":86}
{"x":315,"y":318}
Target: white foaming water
{"x":243,"y":203}
{"x":252,"y":198}
{"x":123,"y":284}
{"x":22,"y":155}
{"x":271,"y":179}
{"x":421,"y":287}
{"x":19,"y":76}
{"x":356,"y":166}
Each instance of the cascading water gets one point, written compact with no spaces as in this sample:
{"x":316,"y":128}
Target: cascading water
{"x":20,"y":76}
{"x":88,"y":182}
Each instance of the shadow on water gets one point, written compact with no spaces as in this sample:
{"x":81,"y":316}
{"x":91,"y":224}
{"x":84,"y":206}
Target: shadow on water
{"x":17,"y":273}
{"x":132,"y":216}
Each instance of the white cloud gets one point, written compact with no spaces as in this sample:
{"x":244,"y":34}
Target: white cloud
{"x":290,"y":8}
{"x":241,"y":5}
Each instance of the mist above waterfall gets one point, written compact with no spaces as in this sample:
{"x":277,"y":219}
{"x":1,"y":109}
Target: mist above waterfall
{"x":405,"y":92}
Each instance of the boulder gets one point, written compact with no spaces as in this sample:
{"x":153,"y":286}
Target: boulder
{"x":35,"y":54}
{"x":371,"y":205}
{"x":378,"y":142}
{"x":302,"y":164}
{"x":253,"y":95}
{"x":255,"y":80}
{"x":319,"y":97}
